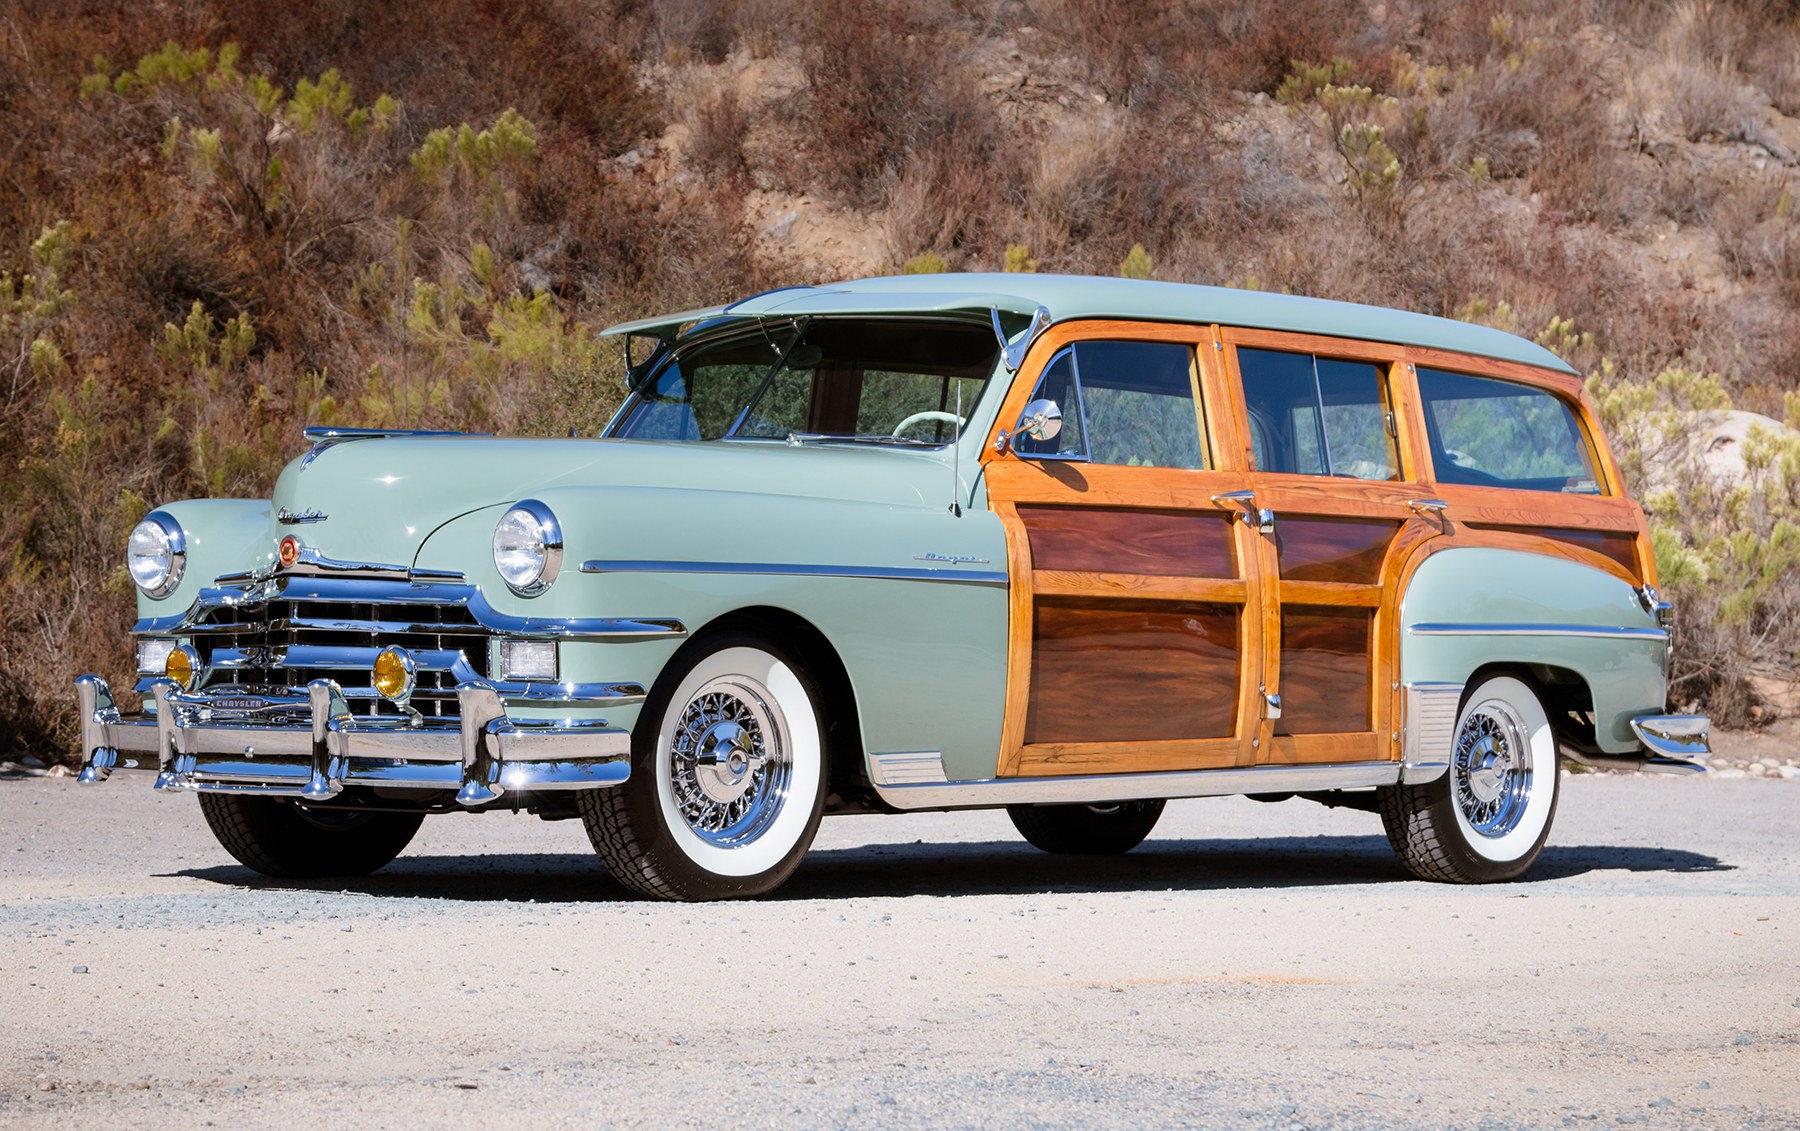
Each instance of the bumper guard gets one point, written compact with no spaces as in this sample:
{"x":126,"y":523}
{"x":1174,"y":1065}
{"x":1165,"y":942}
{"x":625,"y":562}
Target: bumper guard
{"x":310,"y":746}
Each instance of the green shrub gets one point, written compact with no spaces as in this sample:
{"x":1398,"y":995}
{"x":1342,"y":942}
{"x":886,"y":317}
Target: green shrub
{"x":1728,"y":547}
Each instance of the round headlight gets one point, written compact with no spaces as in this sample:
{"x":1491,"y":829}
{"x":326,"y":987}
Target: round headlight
{"x":156,"y":554}
{"x":528,"y":548}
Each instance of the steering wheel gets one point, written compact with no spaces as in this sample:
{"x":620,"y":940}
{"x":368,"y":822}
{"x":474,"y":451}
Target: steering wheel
{"x":921,"y":417}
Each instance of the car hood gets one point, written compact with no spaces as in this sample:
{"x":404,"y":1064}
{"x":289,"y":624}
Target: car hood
{"x":376,"y":500}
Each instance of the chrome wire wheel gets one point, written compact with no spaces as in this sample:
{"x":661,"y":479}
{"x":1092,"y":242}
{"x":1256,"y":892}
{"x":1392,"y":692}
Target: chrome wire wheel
{"x":728,"y":775}
{"x":1486,"y":818}
{"x":730,"y":762}
{"x":1491,"y":769}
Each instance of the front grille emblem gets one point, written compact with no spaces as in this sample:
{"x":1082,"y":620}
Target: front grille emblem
{"x":288,"y":552}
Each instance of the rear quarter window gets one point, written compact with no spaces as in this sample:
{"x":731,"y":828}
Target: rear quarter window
{"x":1486,"y":432}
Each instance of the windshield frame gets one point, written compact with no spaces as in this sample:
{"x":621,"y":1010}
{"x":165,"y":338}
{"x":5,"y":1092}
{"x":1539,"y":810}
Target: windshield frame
{"x":781,"y":335}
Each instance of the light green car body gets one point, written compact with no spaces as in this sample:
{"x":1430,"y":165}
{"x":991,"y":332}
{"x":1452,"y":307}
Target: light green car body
{"x":862,"y":542}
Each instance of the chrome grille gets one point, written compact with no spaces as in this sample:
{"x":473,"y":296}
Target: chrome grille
{"x":286,"y":639}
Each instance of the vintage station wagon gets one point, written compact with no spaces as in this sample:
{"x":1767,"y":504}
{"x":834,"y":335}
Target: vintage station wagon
{"x":1066,"y":546}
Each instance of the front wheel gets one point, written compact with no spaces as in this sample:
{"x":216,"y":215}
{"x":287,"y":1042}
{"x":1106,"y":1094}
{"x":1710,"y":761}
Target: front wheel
{"x":1087,"y":830}
{"x":727,"y":778}
{"x":289,"y":840}
{"x":1487,"y":817}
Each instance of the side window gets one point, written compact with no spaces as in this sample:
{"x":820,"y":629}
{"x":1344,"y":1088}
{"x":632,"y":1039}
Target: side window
{"x":1058,"y":384}
{"x":1492,"y":433}
{"x":1127,"y":403}
{"x":1317,"y":415}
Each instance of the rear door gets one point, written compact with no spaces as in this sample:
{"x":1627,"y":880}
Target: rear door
{"x":1342,"y":508}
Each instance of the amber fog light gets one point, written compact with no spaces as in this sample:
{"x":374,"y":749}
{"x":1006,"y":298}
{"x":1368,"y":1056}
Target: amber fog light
{"x":182,"y":666}
{"x":395,"y":675}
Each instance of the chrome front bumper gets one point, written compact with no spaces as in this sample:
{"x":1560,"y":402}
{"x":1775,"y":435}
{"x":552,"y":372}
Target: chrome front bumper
{"x":310,"y":745}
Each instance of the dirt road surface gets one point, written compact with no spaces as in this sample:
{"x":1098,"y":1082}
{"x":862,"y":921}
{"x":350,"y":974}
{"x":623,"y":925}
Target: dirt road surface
{"x":1250,"y":966}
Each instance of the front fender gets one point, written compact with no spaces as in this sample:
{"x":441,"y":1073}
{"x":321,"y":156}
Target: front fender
{"x":912,"y":599}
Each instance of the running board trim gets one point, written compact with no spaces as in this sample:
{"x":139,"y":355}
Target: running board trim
{"x":1094,"y":788}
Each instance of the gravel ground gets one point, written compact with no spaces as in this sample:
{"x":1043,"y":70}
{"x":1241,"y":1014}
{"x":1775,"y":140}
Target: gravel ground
{"x":1250,"y":965}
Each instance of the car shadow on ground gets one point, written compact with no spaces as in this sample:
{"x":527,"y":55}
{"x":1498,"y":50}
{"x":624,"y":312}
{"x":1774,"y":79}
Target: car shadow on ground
{"x":967,"y":868}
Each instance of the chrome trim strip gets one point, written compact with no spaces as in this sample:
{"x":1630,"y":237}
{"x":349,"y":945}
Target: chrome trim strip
{"x":311,"y":563}
{"x":1605,"y":632}
{"x":772,"y":569}
{"x":398,"y":591}
{"x":1428,"y":728}
{"x":323,"y":438}
{"x":529,"y":693}
{"x":1093,"y":788}
{"x":922,"y":768}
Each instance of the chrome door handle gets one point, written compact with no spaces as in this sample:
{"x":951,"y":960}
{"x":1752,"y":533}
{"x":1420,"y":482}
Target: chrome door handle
{"x":1252,"y":515}
{"x":1427,"y":506}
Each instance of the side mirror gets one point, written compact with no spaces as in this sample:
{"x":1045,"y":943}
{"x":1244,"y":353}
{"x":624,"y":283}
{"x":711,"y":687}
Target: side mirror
{"x":1042,"y":420}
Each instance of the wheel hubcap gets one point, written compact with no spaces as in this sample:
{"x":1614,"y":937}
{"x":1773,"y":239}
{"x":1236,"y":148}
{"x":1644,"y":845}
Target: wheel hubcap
{"x":1492,"y":770}
{"x":729,"y":762}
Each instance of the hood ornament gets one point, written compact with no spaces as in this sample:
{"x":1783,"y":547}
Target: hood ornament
{"x":288,"y":518}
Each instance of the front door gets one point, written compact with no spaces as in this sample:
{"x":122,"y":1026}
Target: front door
{"x":1136,"y":643}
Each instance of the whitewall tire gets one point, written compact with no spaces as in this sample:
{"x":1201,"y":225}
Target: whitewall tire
{"x":1485,"y":819}
{"x":727,"y":777}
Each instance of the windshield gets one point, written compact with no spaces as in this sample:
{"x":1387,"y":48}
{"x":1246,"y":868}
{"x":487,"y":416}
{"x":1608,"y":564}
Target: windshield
{"x":880,"y":380}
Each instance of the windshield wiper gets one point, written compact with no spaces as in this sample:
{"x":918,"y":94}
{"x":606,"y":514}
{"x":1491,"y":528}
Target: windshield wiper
{"x":781,"y":358}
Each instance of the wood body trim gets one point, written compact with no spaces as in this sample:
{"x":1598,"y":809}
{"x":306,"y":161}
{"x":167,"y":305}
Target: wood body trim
{"x":1018,"y":639}
{"x":1335,"y":593}
{"x":1049,"y":759}
{"x":1139,"y":586}
{"x":1259,"y":591}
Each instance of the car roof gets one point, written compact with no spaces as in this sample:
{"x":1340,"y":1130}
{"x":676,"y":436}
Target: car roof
{"x":1072,"y":297}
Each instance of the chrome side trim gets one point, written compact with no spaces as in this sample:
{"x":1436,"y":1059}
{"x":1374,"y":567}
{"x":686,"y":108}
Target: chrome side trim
{"x":774,"y":569}
{"x":1606,"y":632}
{"x":1089,"y":789}
{"x":1428,"y":727}
{"x":922,"y":768}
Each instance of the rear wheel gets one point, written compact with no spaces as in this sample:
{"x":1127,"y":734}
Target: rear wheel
{"x":727,"y":778}
{"x":1090,"y":830}
{"x":1487,"y":817}
{"x":283,"y":838}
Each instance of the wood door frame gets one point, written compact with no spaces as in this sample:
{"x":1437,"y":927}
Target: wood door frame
{"x":1013,"y":481}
